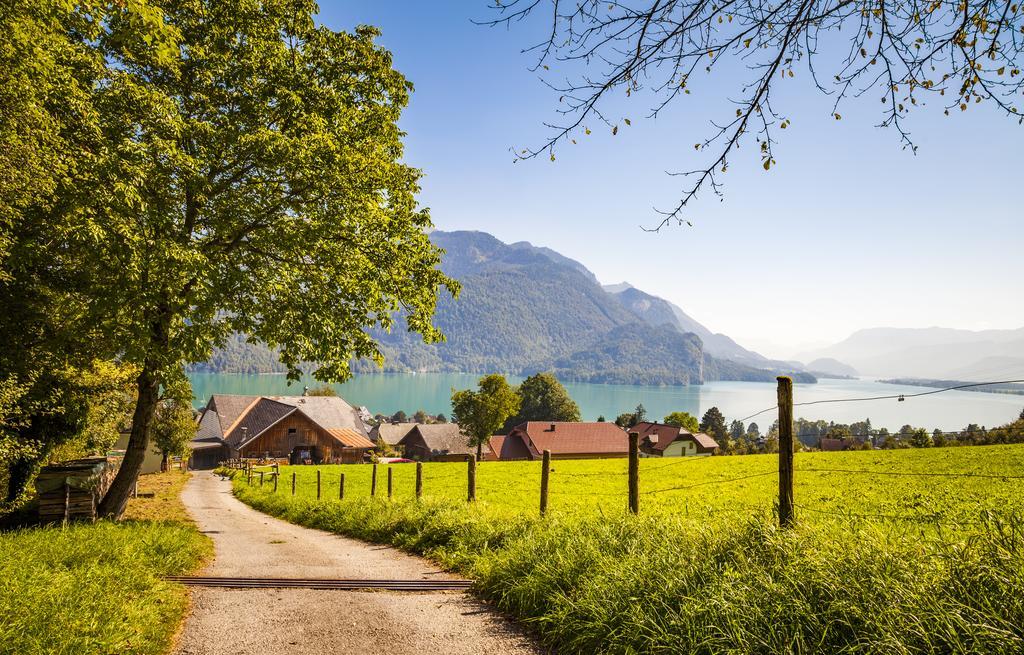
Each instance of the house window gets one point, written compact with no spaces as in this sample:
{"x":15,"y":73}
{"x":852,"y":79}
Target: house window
{"x":291,"y":430}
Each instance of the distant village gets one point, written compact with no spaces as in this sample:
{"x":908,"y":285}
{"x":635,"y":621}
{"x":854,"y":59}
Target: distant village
{"x":327,"y":429}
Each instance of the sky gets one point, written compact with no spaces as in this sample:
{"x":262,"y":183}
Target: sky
{"x":848,"y":231}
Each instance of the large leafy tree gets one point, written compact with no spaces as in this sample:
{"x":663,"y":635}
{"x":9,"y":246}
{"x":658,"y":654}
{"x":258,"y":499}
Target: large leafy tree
{"x":481,"y":413}
{"x":543,"y":398}
{"x":57,"y":388}
{"x":255,"y":185}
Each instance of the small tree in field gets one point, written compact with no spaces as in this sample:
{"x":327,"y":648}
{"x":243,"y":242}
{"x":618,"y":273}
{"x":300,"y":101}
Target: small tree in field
{"x":173,"y":427}
{"x":481,"y":413}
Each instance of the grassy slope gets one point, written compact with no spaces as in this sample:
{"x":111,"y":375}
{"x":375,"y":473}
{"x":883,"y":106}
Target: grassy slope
{"x":96,"y":588}
{"x":703,"y":570}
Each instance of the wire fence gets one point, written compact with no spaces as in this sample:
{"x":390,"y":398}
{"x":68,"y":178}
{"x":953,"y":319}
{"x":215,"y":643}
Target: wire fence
{"x":556,"y":478}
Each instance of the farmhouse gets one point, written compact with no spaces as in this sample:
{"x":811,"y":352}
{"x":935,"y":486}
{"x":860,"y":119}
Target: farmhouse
{"x":439,"y":442}
{"x":661,"y":440}
{"x":300,"y":428}
{"x":565,"y":441}
{"x":391,"y":433}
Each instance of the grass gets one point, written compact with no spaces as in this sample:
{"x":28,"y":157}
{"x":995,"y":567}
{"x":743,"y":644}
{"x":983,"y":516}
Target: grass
{"x":878,"y":563}
{"x":97,"y":588}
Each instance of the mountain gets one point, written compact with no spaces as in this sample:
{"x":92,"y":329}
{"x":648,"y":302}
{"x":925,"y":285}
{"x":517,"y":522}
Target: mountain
{"x":658,"y":311}
{"x":830,"y":366}
{"x":524,"y":309}
{"x":936,"y":353}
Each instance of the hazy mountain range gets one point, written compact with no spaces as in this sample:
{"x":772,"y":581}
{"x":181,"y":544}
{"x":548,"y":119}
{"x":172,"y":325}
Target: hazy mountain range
{"x":938,"y":353}
{"x":525,"y":309}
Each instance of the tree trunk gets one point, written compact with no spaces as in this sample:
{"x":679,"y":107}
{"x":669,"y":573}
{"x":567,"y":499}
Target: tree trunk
{"x":148,"y":386}
{"x":479,"y":450}
{"x":163,"y":461}
{"x":19,"y":474}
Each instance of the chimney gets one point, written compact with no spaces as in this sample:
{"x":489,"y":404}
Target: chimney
{"x":552,"y":427}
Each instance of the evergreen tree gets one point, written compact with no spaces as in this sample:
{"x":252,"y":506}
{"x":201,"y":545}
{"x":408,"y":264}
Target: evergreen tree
{"x":713,"y":423}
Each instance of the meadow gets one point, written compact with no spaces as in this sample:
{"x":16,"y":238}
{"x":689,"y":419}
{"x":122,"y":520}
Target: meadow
{"x":909,"y":551}
{"x":97,"y":588}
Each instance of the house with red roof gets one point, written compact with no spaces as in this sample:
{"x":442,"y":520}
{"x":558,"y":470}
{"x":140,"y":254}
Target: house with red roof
{"x":311,"y":429}
{"x":565,"y":440}
{"x":661,"y":440}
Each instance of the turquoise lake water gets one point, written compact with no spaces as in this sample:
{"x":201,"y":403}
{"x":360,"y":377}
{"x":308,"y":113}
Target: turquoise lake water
{"x":388,"y":393}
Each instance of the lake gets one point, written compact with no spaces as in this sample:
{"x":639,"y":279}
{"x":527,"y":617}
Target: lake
{"x":388,"y":393}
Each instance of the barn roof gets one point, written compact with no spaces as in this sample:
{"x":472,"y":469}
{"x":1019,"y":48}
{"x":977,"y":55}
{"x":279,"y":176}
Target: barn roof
{"x":239,"y":419}
{"x":575,"y":438}
{"x":442,"y":438}
{"x":392,"y":433}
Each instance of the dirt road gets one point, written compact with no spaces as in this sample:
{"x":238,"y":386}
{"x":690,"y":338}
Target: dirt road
{"x":282,"y":621}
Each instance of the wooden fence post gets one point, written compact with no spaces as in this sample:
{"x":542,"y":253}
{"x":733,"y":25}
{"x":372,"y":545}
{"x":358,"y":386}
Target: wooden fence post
{"x":785,"y":451}
{"x":471,"y":478}
{"x":544,"y":473}
{"x":277,"y":474}
{"x":341,"y":488}
{"x":390,"y":470}
{"x":261,"y":478}
{"x":293,"y":483}
{"x":373,"y":481}
{"x":318,"y":484}
{"x":634,"y":472}
{"x":67,"y":501}
{"x":419,"y":480}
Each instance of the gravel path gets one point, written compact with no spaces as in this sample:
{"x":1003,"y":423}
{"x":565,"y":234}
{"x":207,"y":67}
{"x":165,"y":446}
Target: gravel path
{"x":282,"y":621}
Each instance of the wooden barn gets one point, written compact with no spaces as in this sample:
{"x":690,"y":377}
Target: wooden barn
{"x":301,"y":429}
{"x":440,"y":442}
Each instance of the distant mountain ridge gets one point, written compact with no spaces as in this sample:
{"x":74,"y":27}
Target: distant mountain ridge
{"x":934,"y":353}
{"x":525,"y":309}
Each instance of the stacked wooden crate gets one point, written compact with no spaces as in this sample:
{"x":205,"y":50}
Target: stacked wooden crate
{"x":71,"y":490}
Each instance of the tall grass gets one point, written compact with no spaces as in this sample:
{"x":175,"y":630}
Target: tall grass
{"x":591,"y":578}
{"x":96,"y":588}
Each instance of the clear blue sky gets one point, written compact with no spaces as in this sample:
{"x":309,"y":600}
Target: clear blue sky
{"x":848,"y":231}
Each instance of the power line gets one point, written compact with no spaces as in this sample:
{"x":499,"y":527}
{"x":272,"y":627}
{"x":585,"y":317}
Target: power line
{"x":899,"y":396}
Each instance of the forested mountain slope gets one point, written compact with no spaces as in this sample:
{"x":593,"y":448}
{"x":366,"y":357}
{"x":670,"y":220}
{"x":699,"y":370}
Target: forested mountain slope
{"x":525,"y":309}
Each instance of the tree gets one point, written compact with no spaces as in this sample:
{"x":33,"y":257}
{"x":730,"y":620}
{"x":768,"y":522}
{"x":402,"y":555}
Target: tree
{"x":421,"y":416}
{"x":399,"y":417}
{"x":54,"y":367}
{"x":737,"y":430}
{"x":684,"y":420}
{"x":258,"y":188}
{"x":174,"y":426}
{"x":441,"y":418}
{"x":639,"y":414}
{"x":713,"y":423}
{"x":625,"y":420}
{"x":600,"y":419}
{"x":907,"y":54}
{"x":753,"y":431}
{"x":481,"y":413}
{"x":543,"y":398}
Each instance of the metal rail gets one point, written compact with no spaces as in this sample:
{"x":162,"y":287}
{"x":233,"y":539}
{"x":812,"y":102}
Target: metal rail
{"x":313,"y":583}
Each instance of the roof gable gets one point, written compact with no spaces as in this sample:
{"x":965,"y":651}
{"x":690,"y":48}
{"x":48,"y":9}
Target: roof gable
{"x":260,"y":416}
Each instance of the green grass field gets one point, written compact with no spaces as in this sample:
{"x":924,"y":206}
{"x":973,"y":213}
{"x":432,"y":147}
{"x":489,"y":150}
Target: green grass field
{"x":96,"y":588}
{"x":890,"y":554}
